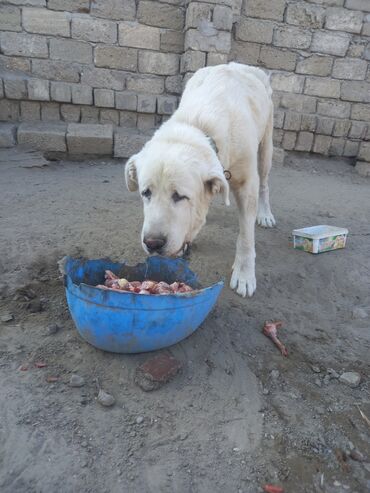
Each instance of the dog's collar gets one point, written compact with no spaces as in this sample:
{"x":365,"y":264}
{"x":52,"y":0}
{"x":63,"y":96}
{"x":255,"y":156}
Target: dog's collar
{"x":213,"y":144}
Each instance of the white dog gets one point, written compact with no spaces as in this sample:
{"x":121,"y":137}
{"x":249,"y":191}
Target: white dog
{"x":221,"y":131}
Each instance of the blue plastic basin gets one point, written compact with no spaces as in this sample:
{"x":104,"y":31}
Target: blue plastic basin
{"x":135,"y":323}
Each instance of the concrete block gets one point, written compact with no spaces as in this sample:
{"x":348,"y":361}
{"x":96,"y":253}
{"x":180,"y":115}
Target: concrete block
{"x":336,"y":147}
{"x":135,"y":35}
{"x":116,"y":57}
{"x":82,"y":94}
{"x":128,"y":142}
{"x":104,"y":98}
{"x":44,"y":137}
{"x":55,"y":69}
{"x":38,"y":90}
{"x":356,"y":91}
{"x":308,"y":123}
{"x":44,"y":21}
{"x":315,"y":65}
{"x":87,"y":138}
{"x":304,"y":141}
{"x":8,"y":132}
{"x":364,"y":152}
{"x":161,"y":15}
{"x":70,"y":50}
{"x":278,"y":156}
{"x":128,"y":119}
{"x":10,"y":18}
{"x":277,"y":58}
{"x":101,"y":77}
{"x":350,"y":68}
{"x":146,"y":103}
{"x":121,"y":10}
{"x":28,"y":3}
{"x":338,"y":19}
{"x":336,"y":109}
{"x":265,"y":10}
{"x":254,"y":30}
{"x":50,"y":112}
{"x":197,"y":13}
{"x":363,"y":5}
{"x":166,"y":105}
{"x":192,"y":61}
{"x":341,"y":128}
{"x":244,"y":52}
{"x":69,"y":5}
{"x":14,"y":63}
{"x":60,"y":91}
{"x":292,"y":121}
{"x":306,"y":15}
{"x":158,"y":63}
{"x":298,"y":102}
{"x":216,"y":59}
{"x":25,"y":45}
{"x":351,"y":148}
{"x":360,"y":112}
{"x":29,"y":111}
{"x":109,"y":116}
{"x":357,"y":46}
{"x":96,"y":30}
{"x":15,"y":89}
{"x":9,"y":110}
{"x":289,"y":140}
{"x":277,"y":136}
{"x":358,"y":130}
{"x":126,"y":101}
{"x":172,"y":41}
{"x":330,"y":43}
{"x":70,"y":113}
{"x":322,"y":144}
{"x":173,"y":84}
{"x":145,"y":121}
{"x":222,"y":17}
{"x":292,"y":37}
{"x":363,"y":168}
{"x":211,"y":40}
{"x":279,"y":119}
{"x":287,"y":82}
{"x":149,"y":84}
{"x":89,"y":114}
{"x":325,"y":126}
{"x":326,"y":88}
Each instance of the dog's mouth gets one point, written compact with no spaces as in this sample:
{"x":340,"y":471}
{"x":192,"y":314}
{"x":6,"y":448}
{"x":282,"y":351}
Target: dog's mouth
{"x":184,"y":251}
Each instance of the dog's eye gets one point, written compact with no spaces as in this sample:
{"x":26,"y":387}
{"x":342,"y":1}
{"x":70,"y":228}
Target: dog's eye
{"x":146,"y":193}
{"x":176,"y":197}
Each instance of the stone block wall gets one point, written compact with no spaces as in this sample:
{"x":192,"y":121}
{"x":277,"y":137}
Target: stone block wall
{"x":123,"y":63}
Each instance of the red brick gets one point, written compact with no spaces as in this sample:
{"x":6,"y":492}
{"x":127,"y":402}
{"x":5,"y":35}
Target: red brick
{"x":156,"y":371}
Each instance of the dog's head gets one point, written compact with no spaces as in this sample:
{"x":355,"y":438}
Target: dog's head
{"x":176,"y":182}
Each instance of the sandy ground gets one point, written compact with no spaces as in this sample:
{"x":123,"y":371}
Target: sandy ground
{"x":239,"y":415}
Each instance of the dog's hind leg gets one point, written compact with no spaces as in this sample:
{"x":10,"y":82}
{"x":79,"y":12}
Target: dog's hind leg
{"x":264,"y":214}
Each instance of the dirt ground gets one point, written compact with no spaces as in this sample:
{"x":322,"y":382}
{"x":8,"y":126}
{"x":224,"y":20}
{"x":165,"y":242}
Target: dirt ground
{"x":239,"y":415}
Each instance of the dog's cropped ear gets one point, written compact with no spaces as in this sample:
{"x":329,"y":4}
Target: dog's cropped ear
{"x":217,"y":183}
{"x":131,"y":174}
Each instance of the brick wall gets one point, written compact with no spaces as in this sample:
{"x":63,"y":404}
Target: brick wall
{"x":123,"y":63}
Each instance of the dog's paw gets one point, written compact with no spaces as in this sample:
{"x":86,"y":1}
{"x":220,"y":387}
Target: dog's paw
{"x":243,"y":281}
{"x":266,"y":220}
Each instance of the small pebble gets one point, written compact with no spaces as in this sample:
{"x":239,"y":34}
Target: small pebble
{"x":350,"y":378}
{"x":337,"y":483}
{"x":53,"y":329}
{"x":326,"y":379}
{"x":84,"y":444}
{"x":359,"y":312}
{"x":139,"y":420}
{"x":7,"y":317}
{"x":265,"y":391}
{"x":76,"y":381}
{"x":275,"y":374}
{"x":332,"y":373}
{"x":105,"y":399}
{"x":356,"y":455}
{"x":315,"y":369}
{"x":34,"y":306}
{"x":318,"y":382}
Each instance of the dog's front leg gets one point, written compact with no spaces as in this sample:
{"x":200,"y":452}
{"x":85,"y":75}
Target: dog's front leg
{"x":243,"y":278}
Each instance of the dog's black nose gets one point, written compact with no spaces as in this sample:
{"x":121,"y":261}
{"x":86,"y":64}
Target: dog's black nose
{"x":154,"y":244}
